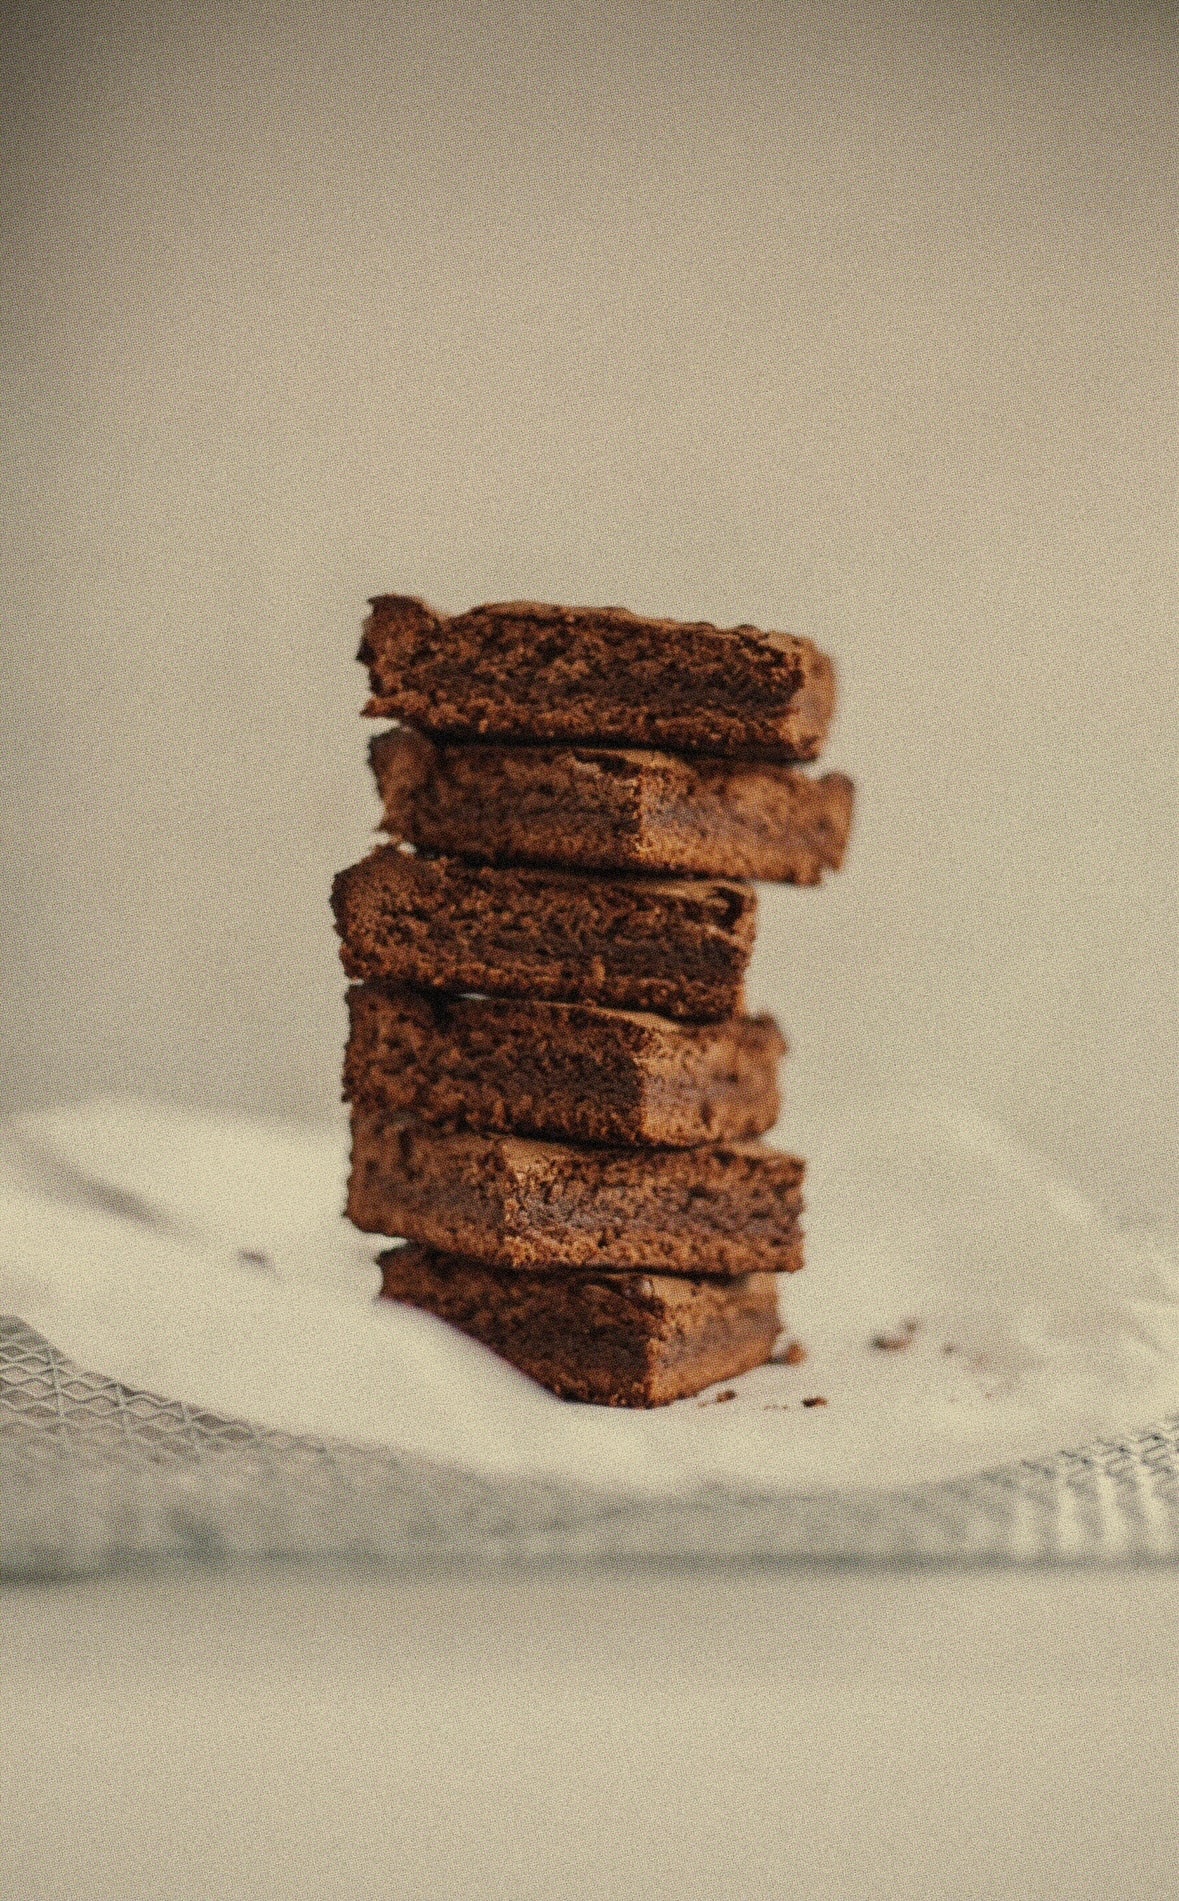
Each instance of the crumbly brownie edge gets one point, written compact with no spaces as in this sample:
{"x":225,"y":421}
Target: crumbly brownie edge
{"x":673,"y":946}
{"x":497,"y":1064}
{"x":567,"y":1071}
{"x":523,"y":670}
{"x":714,"y":1087}
{"x":523,"y":1204}
{"x":744,"y":819}
{"x":502,"y":803}
{"x":590,"y":809}
{"x":621,"y":1340}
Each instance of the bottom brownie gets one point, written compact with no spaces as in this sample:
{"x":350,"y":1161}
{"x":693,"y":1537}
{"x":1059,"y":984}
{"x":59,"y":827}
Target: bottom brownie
{"x":613,"y":1339}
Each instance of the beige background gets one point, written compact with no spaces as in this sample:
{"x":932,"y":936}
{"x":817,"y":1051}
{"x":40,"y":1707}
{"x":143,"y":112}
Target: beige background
{"x":858,"y":323}
{"x":840,"y":1735}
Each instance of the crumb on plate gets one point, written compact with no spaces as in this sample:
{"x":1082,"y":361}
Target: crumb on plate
{"x":896,"y":1342}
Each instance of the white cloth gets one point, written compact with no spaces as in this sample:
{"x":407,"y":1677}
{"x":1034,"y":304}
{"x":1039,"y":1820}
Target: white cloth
{"x":206,"y":1259}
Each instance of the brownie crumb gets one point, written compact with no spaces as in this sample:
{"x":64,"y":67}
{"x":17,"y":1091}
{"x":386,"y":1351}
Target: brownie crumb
{"x":255,"y":1257}
{"x":816,"y":1399}
{"x":896,"y":1342}
{"x":719,"y":1399}
{"x":792,"y":1354}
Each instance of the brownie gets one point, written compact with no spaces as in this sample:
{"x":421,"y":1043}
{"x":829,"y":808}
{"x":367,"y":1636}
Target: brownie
{"x":612,"y":811}
{"x":677,"y":948}
{"x":518,"y":670}
{"x":511,"y":1201}
{"x":613,"y":1339}
{"x":561,"y":1069}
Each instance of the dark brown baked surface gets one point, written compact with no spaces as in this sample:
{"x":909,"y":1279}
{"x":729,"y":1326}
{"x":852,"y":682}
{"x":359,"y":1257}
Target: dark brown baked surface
{"x":676,"y":948}
{"x":522,"y":670}
{"x":561,"y":1069}
{"x":597,"y":810}
{"x":613,"y":1339}
{"x":514,"y":1202}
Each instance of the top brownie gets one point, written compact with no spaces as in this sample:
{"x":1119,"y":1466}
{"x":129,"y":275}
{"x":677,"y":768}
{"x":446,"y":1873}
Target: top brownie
{"x":518,"y":670}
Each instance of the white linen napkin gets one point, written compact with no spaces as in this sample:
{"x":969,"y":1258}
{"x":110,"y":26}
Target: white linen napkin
{"x":205,"y":1258}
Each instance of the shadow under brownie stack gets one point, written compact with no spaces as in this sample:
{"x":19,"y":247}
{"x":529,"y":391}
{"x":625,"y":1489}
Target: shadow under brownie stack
{"x":556,"y":1095}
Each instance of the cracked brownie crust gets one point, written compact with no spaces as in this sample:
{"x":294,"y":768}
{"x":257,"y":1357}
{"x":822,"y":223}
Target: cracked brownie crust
{"x":612,"y":811}
{"x":517,"y":1203}
{"x":613,"y":1339}
{"x":561,"y":1069}
{"x":676,"y":948}
{"x":522,"y":670}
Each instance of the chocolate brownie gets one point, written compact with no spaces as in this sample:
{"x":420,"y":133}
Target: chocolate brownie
{"x":639,"y":943}
{"x":561,"y":1069}
{"x":612,"y":811}
{"x":613,"y":1339}
{"x":518,"y":670}
{"x":513,"y":1202}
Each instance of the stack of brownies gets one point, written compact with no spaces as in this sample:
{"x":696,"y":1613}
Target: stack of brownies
{"x":556,"y":1095}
